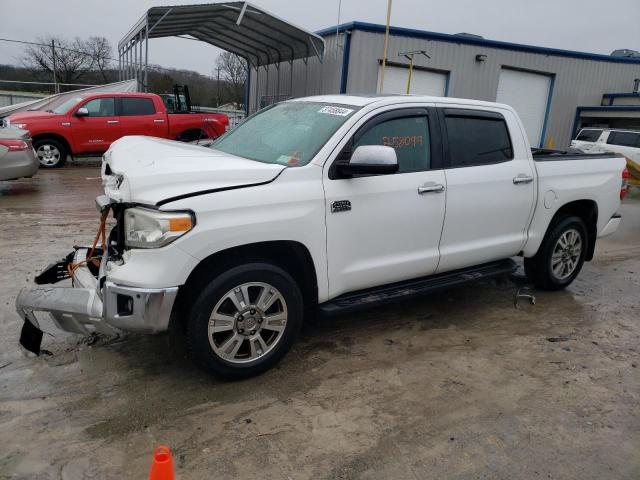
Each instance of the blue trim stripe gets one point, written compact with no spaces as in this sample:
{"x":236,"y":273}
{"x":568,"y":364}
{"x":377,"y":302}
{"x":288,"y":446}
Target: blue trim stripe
{"x":547,"y":111}
{"x":612,"y":96}
{"x":444,"y":37}
{"x":344,"y":75}
{"x":613,"y":108}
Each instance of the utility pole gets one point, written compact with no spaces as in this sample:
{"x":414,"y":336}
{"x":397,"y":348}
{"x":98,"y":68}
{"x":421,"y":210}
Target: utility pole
{"x":409,"y":56}
{"x":338,"y":29}
{"x":56,"y":89}
{"x":386,"y":48}
{"x":218,"y":85}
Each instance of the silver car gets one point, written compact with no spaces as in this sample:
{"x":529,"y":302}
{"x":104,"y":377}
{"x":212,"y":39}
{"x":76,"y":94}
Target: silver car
{"x":17,"y":157}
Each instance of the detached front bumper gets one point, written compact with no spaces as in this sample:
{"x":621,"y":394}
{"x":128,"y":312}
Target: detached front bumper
{"x":95,"y":304}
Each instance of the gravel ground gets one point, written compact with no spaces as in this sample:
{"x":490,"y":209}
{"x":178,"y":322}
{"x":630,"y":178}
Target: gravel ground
{"x":458,"y":385}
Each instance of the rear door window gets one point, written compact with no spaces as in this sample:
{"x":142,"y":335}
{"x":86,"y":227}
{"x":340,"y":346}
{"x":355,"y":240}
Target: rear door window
{"x":589,"y":135}
{"x":137,"y":106}
{"x":624,"y":139}
{"x":477,"y":138}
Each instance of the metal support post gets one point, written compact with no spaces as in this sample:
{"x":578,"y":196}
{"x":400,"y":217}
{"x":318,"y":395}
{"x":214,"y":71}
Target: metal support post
{"x":146,"y":58}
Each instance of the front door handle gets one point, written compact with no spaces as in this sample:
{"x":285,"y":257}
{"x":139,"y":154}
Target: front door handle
{"x":430,"y":187}
{"x":158,"y":121}
{"x":522,"y":178}
{"x":112,"y":121}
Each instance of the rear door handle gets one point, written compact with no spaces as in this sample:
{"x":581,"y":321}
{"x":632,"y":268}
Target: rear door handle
{"x":522,"y":178}
{"x":158,"y":121}
{"x":430,"y":187}
{"x":112,"y":121}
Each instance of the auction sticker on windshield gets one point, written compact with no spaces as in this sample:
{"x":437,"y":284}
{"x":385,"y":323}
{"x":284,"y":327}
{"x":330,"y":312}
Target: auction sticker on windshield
{"x":340,"y":111}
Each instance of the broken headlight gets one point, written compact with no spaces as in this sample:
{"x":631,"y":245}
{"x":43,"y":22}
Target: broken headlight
{"x":147,"y":228}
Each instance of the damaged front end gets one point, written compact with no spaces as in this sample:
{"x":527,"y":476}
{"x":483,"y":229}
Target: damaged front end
{"x":92,"y":304}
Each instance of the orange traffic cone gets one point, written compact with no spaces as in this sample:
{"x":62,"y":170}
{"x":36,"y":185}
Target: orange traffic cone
{"x":162,"y":466}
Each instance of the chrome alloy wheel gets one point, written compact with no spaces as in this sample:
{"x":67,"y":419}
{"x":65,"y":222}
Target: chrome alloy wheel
{"x":566,"y":254}
{"x":48,"y":155}
{"x":247,"y":322}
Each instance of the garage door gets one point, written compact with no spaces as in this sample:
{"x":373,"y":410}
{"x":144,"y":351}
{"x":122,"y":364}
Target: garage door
{"x":422,"y":82}
{"x":528,"y":94}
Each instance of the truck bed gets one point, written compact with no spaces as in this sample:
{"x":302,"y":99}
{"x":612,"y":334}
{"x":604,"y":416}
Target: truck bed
{"x":546,"y":155}
{"x":561,"y":181}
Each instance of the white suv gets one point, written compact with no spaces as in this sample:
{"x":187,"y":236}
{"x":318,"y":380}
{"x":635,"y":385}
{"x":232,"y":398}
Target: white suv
{"x":598,"y":140}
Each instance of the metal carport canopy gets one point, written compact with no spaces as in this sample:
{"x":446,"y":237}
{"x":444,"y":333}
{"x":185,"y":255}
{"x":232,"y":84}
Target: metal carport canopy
{"x":238,"y":27}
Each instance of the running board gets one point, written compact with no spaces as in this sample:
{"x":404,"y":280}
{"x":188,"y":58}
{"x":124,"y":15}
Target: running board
{"x":413,"y":288}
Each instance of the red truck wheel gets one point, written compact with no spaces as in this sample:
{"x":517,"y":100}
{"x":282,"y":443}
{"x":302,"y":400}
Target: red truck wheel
{"x":51,"y":152}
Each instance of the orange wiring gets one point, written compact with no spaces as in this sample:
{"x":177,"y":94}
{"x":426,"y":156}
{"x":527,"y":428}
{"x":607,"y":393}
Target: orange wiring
{"x":100,"y":235}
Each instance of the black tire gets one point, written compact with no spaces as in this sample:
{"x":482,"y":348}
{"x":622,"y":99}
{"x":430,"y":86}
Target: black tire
{"x":539,"y":268}
{"x":192,"y":136}
{"x":44,"y":148}
{"x":215,"y":291}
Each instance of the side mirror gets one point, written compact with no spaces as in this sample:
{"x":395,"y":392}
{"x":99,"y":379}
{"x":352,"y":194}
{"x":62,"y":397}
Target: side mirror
{"x":370,"y":159}
{"x":82,"y":112}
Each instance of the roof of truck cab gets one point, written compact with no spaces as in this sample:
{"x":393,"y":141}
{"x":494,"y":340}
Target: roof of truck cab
{"x":364,"y":100}
{"x":116,"y":94}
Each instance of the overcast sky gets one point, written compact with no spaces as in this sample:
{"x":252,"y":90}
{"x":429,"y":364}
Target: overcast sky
{"x":584,"y":25}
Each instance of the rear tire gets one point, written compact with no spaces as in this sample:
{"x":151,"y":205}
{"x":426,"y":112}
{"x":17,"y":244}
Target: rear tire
{"x":561,"y":255}
{"x":245,"y":320}
{"x":194,"y":135}
{"x":51,"y":152}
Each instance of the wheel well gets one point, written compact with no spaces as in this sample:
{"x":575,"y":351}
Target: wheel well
{"x":587,"y":210}
{"x":53,"y":136}
{"x":291,"y":256}
{"x":192,"y":134}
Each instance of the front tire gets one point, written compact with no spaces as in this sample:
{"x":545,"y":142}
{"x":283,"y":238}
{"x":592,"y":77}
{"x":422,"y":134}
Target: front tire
{"x":51,"y":152}
{"x":561,"y":255}
{"x":245,"y":320}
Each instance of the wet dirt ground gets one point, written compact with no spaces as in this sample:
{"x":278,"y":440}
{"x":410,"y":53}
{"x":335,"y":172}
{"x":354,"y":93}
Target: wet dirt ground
{"x":458,"y":385}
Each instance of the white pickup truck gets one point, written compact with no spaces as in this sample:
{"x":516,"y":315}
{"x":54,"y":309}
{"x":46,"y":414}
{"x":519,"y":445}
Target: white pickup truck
{"x":329,"y":203}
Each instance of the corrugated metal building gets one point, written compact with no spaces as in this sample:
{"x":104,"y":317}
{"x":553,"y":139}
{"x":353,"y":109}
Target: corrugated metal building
{"x":550,"y":88}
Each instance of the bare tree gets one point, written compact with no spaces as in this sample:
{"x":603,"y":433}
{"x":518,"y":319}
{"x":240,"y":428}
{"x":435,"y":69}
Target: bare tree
{"x":99,"y":50}
{"x":72,"y":63}
{"x":234,"y":73}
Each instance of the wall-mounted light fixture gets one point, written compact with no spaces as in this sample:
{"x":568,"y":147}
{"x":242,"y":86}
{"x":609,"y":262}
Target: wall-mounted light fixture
{"x":481,"y":57}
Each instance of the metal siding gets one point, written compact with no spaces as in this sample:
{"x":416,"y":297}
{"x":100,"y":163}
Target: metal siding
{"x":578,"y":82}
{"x":322,"y":77}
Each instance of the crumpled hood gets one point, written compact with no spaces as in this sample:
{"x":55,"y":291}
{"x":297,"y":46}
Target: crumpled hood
{"x":151,"y":170}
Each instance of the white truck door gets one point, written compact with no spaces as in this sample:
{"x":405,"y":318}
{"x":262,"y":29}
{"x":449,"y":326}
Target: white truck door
{"x":386,"y":228}
{"x":490,"y":187}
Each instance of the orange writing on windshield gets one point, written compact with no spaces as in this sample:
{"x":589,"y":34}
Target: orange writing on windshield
{"x":403,"y":142}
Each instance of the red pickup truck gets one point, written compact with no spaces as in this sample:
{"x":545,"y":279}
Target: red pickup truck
{"x":89,"y":123}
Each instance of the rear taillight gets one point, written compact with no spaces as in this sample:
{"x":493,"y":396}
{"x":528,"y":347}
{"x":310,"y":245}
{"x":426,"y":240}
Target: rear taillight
{"x":625,"y":183}
{"x":14,"y":145}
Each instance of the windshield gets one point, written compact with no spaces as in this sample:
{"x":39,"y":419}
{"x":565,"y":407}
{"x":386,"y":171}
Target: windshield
{"x":67,"y":105}
{"x":288,"y":133}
